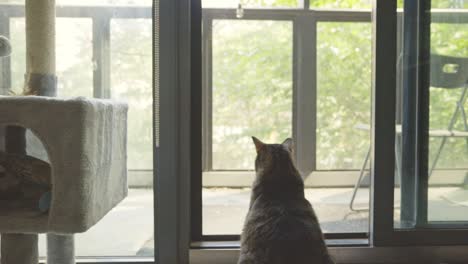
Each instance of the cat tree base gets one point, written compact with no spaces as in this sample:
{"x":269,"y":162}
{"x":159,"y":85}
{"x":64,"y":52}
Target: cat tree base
{"x":19,"y":249}
{"x":23,"y":249}
{"x":60,"y":249}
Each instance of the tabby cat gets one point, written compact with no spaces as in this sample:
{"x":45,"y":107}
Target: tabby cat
{"x":281,"y":226}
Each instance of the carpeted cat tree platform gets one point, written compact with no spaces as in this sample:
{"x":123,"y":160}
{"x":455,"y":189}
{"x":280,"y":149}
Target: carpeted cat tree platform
{"x":85,"y":140}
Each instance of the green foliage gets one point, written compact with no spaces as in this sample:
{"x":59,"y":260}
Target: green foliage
{"x":131,"y":77}
{"x":252,"y":88}
{"x":252,"y":82}
{"x":341,"y":3}
{"x":343,"y":93}
{"x":270,"y":3}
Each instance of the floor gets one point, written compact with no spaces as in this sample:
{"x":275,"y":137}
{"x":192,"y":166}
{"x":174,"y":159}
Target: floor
{"x":128,"y":229}
{"x":125,"y":231}
{"x":225,"y":210}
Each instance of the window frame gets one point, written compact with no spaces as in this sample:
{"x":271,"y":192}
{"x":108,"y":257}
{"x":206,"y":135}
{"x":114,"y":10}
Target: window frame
{"x":304,"y":85}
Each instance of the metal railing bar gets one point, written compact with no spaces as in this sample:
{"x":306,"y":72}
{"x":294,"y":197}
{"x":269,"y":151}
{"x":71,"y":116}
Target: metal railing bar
{"x":449,"y":16}
{"x":287,"y":14}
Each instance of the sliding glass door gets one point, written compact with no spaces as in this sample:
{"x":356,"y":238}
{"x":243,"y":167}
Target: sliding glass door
{"x":430,"y":135}
{"x":373,"y":98}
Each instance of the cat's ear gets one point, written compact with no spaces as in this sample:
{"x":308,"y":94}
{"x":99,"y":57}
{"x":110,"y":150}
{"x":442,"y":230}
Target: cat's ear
{"x":288,"y":143}
{"x":258,"y":144}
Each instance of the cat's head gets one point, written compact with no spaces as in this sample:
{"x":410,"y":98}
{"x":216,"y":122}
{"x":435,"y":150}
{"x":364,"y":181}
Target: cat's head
{"x":273,"y":156}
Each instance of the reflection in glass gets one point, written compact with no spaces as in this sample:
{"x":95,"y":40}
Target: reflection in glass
{"x":447,"y":198}
{"x":448,"y":155}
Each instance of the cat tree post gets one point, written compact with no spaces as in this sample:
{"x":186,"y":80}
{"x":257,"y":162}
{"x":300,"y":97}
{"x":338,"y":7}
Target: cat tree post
{"x":40,"y":47}
{"x":41,"y":80}
{"x":19,"y":249}
{"x":60,"y":249}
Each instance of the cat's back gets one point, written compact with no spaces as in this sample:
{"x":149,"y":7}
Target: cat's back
{"x":281,"y":226}
{"x":283,"y":231}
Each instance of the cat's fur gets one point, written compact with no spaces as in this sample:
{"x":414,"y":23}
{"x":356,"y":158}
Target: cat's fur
{"x":281,"y":226}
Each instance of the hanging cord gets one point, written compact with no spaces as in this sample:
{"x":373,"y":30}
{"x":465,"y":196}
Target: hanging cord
{"x":239,"y":11}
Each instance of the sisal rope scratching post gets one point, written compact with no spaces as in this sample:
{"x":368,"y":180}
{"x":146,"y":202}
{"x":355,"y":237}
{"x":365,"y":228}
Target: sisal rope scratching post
{"x":40,"y":48}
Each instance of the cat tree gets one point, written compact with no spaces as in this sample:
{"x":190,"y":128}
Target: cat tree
{"x":85,"y":140}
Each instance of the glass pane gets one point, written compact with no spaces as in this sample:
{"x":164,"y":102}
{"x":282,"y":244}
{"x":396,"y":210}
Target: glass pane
{"x":358,"y":4}
{"x":343,"y":121}
{"x":250,"y":3}
{"x":131,"y":81}
{"x":130,"y":70}
{"x":448,"y":128}
{"x":252,"y":88}
{"x":131,"y":67}
{"x":18,"y":54}
{"x":74,"y":57}
{"x":343,"y":95}
{"x":252,"y":94}
{"x":458,"y":4}
{"x":448,"y":156}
